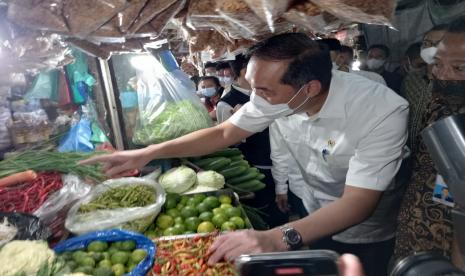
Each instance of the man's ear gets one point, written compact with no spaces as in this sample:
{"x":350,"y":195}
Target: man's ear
{"x":313,"y":88}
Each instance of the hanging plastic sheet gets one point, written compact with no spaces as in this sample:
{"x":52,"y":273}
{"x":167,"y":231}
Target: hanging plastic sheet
{"x":78,"y":138}
{"x":269,"y":10}
{"x":45,"y":86}
{"x":64,"y":92}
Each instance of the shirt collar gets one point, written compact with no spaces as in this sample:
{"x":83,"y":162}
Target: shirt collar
{"x":334,"y":106}
{"x":242,"y":90}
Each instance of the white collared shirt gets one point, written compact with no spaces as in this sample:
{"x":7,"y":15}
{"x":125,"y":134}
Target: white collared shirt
{"x":224,"y":110}
{"x":356,"y":139}
{"x":369,"y":75}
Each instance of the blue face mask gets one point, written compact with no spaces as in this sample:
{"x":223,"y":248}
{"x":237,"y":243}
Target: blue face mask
{"x":208,"y":92}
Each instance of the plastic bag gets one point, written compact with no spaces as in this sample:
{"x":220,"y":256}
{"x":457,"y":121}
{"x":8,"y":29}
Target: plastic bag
{"x":269,"y":10}
{"x":78,"y":138}
{"x":371,"y":12}
{"x":80,"y":223}
{"x":54,"y":210}
{"x":86,"y":16}
{"x":5,"y":117}
{"x":44,"y":86}
{"x":151,"y":9}
{"x":168,"y":105}
{"x":29,"y":227}
{"x":114,"y":235}
{"x":307,"y":15}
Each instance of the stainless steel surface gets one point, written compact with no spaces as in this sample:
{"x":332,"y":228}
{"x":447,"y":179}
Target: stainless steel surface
{"x":113,"y":111}
{"x":445,"y":140}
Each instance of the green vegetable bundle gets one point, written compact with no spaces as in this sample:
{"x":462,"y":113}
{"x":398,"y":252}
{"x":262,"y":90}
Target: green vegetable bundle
{"x":43,"y":160}
{"x":176,"y":119}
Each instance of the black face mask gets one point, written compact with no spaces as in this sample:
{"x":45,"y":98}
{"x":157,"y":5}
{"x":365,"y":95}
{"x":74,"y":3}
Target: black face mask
{"x":449,"y":87}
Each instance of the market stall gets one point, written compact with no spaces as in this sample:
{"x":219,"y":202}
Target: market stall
{"x":80,"y":78}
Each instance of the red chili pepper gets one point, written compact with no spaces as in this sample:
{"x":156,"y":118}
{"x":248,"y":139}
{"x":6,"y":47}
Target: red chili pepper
{"x":157,"y":268}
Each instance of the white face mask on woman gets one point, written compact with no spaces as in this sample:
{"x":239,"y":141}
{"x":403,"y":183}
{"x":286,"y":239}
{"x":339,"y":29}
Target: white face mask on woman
{"x":208,"y":91}
{"x":427,"y":54}
{"x":374,"y":64}
{"x":275,"y":111}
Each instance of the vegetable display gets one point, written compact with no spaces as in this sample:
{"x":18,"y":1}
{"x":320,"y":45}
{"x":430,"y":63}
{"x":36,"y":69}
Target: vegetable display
{"x":29,"y":196}
{"x":176,"y":119}
{"x":43,"y":161}
{"x":198,"y":213}
{"x":104,"y":259}
{"x":178,"y":180}
{"x":187,"y":256}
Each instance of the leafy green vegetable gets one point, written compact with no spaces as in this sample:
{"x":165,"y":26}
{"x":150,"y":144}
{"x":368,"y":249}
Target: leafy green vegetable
{"x":176,"y":119}
{"x":178,"y":180}
{"x":210,"y":179}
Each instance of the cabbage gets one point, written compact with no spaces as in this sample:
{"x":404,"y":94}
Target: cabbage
{"x":25,"y":258}
{"x":210,"y":179}
{"x":178,"y":180}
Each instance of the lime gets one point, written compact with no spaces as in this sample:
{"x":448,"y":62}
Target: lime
{"x":233,"y":212}
{"x":179,"y":228}
{"x":128,"y":245}
{"x":105,"y":263}
{"x":225,"y":206}
{"x":164,"y":221}
{"x":228,"y":226}
{"x":192,"y":202}
{"x":117,"y":244}
{"x":170,"y":203}
{"x":180,"y":206}
{"x":112,"y":250}
{"x":174,"y":197}
{"x":138,"y":255}
{"x":88,"y":270}
{"x":192,"y":223}
{"x":205,"y":227}
{"x":120,"y":257}
{"x":171,"y":231}
{"x":130,"y":268}
{"x":86,"y":261}
{"x":184,"y":200}
{"x":212,"y":202}
{"x":206,"y":216}
{"x":189,"y":211}
{"x":103,"y":271}
{"x":77,"y":255}
{"x":203,"y":207}
{"x":225,"y":199}
{"x":218,"y":210}
{"x":174,"y":213}
{"x":178,"y":220}
{"x":150,"y":234}
{"x":199,"y":197}
{"x":238,"y":221}
{"x":97,"y":246}
{"x":97,"y":256}
{"x":71,"y":264}
{"x":118,"y":269}
{"x":67,"y":255}
{"x":219,"y":219}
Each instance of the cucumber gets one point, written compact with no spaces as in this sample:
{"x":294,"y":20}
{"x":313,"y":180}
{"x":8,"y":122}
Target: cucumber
{"x":233,"y":171}
{"x":237,"y":157}
{"x":205,"y":162}
{"x":260,"y":177}
{"x":249,"y":175}
{"x":228,"y":152}
{"x":240,"y":163}
{"x":218,"y":165}
{"x":252,"y":185}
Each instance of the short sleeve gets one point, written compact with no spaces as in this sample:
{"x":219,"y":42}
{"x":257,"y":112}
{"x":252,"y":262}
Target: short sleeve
{"x":379,"y":154}
{"x":250,"y":119}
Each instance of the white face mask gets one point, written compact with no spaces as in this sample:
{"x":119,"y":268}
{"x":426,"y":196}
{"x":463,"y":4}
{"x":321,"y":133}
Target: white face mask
{"x":427,"y":54}
{"x":374,"y":64}
{"x":227,"y":80}
{"x":275,"y":111}
{"x":208,"y":92}
{"x":210,"y":74}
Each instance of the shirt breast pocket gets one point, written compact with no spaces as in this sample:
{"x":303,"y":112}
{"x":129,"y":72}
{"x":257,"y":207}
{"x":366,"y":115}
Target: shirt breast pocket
{"x":338,"y":161}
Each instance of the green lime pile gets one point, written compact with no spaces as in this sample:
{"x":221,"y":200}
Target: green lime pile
{"x":196,"y":214}
{"x":104,"y":259}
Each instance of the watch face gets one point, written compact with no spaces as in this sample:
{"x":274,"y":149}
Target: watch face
{"x":293,"y":237}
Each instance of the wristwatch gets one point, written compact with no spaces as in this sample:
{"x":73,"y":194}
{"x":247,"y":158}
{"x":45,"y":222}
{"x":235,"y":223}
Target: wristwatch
{"x":291,"y":237}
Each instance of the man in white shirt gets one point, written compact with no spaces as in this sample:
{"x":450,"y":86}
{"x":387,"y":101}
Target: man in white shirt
{"x":291,"y":74}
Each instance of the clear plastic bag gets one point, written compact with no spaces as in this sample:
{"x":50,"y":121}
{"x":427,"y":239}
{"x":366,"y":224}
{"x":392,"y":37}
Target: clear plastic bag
{"x":371,"y":12}
{"x":269,"y":10}
{"x":126,"y":218}
{"x":168,"y":106}
{"x":114,"y":235}
{"x":28,"y":227}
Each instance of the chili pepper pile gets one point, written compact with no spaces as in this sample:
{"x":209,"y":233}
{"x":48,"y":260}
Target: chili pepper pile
{"x":28,"y":197}
{"x":187,"y":256}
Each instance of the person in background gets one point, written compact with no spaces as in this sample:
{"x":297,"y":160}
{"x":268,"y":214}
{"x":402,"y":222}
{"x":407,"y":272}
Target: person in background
{"x":225,"y":75}
{"x":256,"y":148}
{"x":412,"y":61}
{"x":344,"y":60}
{"x":210,"y":69}
{"x":334,"y":46}
{"x":377,"y":58}
{"x":416,"y":87}
{"x":210,"y":90}
{"x":424,"y":224}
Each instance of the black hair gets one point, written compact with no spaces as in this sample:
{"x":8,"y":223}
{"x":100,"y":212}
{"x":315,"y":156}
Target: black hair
{"x":308,"y":61}
{"x":347,"y":50}
{"x":413,"y":51}
{"x":238,"y":64}
{"x":210,"y":64}
{"x":332,"y":43}
{"x":457,"y":26}
{"x":381,"y":47}
{"x":212,"y":78}
{"x":222,"y":65}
